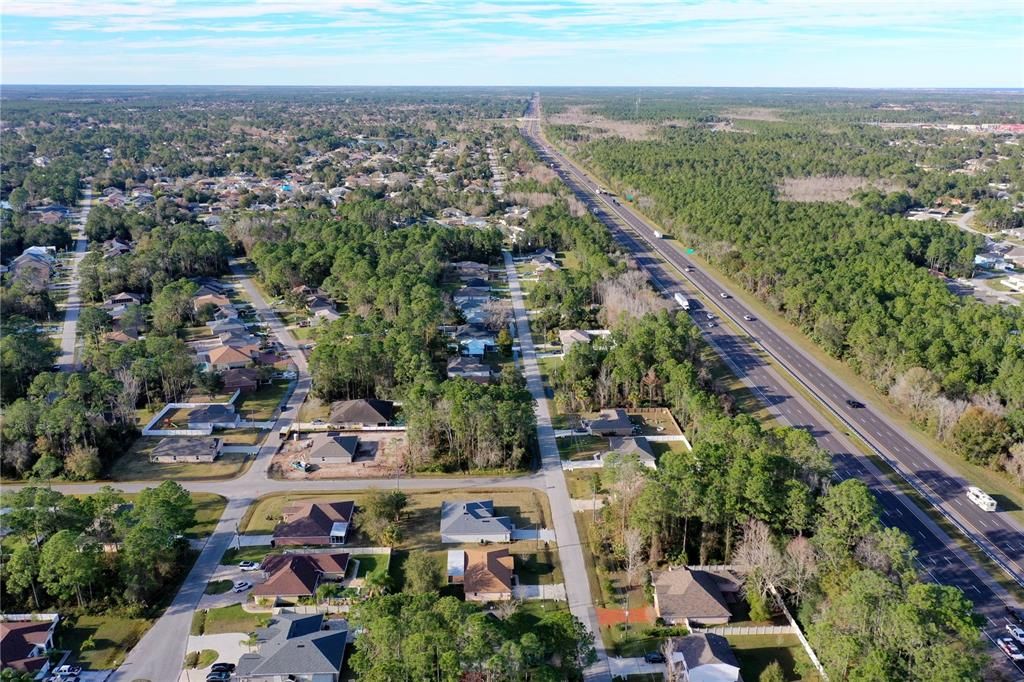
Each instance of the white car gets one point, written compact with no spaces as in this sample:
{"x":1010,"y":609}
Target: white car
{"x":68,"y":670}
{"x":241,"y":586}
{"x":1016,"y":632}
{"x":248,"y":566}
{"x":724,"y":295}
{"x":748,"y":318}
{"x":711,"y":316}
{"x":1011,"y":650}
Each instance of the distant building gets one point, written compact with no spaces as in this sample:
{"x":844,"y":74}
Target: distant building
{"x":468,"y":368}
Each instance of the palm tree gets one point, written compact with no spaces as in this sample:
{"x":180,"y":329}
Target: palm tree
{"x":377,"y":582}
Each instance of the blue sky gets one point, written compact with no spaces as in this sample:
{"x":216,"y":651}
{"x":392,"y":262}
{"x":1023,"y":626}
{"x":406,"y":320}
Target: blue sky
{"x":842,"y":43}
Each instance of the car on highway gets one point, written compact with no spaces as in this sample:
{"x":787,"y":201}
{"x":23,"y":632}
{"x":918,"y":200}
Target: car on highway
{"x":241,"y":586}
{"x":689,"y":268}
{"x":855,"y":404}
{"x":1016,"y":632}
{"x":711,"y":325}
{"x":1009,"y":648}
{"x":748,"y":318}
{"x":723,"y":294}
{"x":654,"y":657}
{"x":1012,"y":612}
{"x":248,"y":566}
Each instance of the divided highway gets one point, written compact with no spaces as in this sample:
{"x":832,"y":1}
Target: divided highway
{"x":939,"y":555}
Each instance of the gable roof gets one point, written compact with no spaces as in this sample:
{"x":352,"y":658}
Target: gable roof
{"x":243,"y":375}
{"x":212,"y":414}
{"x":295,"y":644}
{"x":468,"y":518}
{"x":186,"y":447}
{"x":17,"y":641}
{"x":226,"y":354}
{"x":632,"y":445}
{"x":683,"y":593}
{"x":297,"y":575}
{"x":612,"y":419}
{"x":488,"y":570}
{"x":362,"y":411}
{"x":335,"y":446}
{"x":705,"y":648}
{"x":310,"y":519}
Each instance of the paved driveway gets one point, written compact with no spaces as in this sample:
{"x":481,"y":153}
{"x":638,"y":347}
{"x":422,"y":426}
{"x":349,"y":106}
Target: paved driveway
{"x":555,"y":592}
{"x":540,"y":534}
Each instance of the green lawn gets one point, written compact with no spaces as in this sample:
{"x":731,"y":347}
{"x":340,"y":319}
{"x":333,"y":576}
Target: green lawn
{"x":232,"y":556}
{"x":756,"y":652}
{"x":260,"y":404}
{"x":230,"y":619}
{"x":368,"y":563}
{"x":112,"y":638}
{"x":631,"y":643}
{"x":218,"y":587}
{"x":581,"y":447}
{"x":421,"y":521}
{"x":580,"y":482}
{"x":540,"y":568}
{"x":134,"y":465}
{"x":209,"y":507}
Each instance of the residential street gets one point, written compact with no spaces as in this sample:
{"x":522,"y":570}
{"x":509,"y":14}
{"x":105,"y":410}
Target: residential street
{"x":73,"y":306}
{"x":569,"y":552}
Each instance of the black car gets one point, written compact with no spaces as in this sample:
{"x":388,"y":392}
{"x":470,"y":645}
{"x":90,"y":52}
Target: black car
{"x":222,"y":676}
{"x":654,"y":657}
{"x":1015,"y":614}
{"x":222,"y":668}
{"x":855,"y":404}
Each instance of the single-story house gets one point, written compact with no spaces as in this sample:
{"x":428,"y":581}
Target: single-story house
{"x":314,"y":523}
{"x":682,"y":596}
{"x":474,"y":521}
{"x":332,"y":448}
{"x":474,"y":339}
{"x":226,"y":357}
{"x":123,"y":298}
{"x":229,"y":324}
{"x":705,"y":657}
{"x":467,"y":269}
{"x":636,"y":446}
{"x":468,"y":368}
{"x":215,"y":300}
{"x":570,"y":337}
{"x":292,"y":576}
{"x":217,"y":416}
{"x":26,"y":640}
{"x":361,"y":413}
{"x":119,"y":336}
{"x":244,"y":379}
{"x":187,"y":449}
{"x":612,"y":423}
{"x":471,"y":296}
{"x":486,"y":575}
{"x":296,"y":647}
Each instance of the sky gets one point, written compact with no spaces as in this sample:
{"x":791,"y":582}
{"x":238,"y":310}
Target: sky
{"x":819,"y":43}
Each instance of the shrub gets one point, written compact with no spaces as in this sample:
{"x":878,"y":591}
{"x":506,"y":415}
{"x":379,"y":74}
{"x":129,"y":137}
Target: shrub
{"x":198,"y":623}
{"x":191,"y":658}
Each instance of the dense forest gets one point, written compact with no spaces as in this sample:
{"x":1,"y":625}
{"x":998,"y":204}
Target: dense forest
{"x":853,"y":277}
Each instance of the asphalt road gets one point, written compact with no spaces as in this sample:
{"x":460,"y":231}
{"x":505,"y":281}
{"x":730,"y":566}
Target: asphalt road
{"x":73,"y":305}
{"x":570,"y":554}
{"x":939,"y":555}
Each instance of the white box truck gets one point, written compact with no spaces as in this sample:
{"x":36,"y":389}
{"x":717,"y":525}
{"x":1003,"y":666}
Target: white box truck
{"x":682,"y":301}
{"x":658,"y":235}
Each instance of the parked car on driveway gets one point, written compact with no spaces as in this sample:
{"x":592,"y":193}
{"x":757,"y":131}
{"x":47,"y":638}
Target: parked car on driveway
{"x":222,"y":668}
{"x":654,"y":657}
{"x":241,"y":586}
{"x":248,"y":565}
{"x":68,"y":670}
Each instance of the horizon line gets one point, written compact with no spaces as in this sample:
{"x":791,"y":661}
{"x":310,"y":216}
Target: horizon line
{"x":633,"y":86}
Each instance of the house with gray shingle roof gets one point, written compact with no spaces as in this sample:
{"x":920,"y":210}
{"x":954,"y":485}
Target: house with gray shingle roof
{"x":296,"y":647}
{"x":474,"y":521}
{"x":333,"y":448}
{"x":683,"y":596}
{"x":706,"y":657}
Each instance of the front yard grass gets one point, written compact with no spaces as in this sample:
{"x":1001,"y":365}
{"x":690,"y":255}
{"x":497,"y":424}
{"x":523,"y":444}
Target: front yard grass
{"x":420,"y":525}
{"x":134,"y":465}
{"x":230,"y":619}
{"x":209,"y":507}
{"x":112,"y":637}
{"x":260,"y":404}
{"x":218,"y":587}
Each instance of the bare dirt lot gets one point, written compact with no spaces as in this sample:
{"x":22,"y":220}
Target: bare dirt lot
{"x":380,"y":454}
{"x":582,"y":116}
{"x":827,"y":188}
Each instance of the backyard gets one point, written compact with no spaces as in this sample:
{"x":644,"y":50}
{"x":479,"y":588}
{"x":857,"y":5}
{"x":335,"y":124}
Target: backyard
{"x":756,"y":652}
{"x":101,"y":641}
